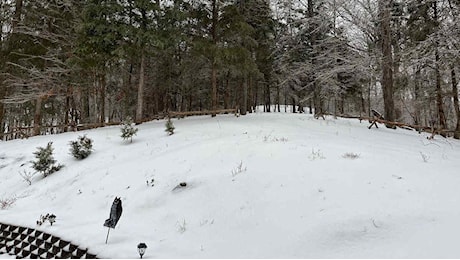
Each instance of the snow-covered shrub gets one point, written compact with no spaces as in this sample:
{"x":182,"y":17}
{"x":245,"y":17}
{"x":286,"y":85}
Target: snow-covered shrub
{"x":350,"y":156}
{"x":316,"y":155}
{"x":169,"y":127}
{"x":270,"y":138}
{"x":45,"y":162}
{"x":6,"y":202}
{"x":81,"y":148}
{"x":127,"y":129}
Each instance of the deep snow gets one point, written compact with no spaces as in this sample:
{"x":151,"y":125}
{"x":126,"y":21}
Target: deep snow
{"x":265,"y":185}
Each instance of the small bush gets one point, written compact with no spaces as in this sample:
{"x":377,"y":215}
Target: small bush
{"x":81,"y":148}
{"x":316,"y":155}
{"x":45,"y":162}
{"x":350,"y":156}
{"x":169,"y":127}
{"x":6,"y":202}
{"x":128,"y":130}
{"x":270,"y":138}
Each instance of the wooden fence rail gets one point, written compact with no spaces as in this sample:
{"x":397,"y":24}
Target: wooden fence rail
{"x":28,"y":131}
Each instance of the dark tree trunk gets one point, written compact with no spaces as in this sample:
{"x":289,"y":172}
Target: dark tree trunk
{"x":387,"y":60}
{"x":241,"y":97}
{"x":227,"y":93}
{"x":456,"y":103}
{"x":85,"y":115}
{"x":38,"y":116}
{"x":267,"y":96}
{"x":439,"y":103}
{"x":278,"y":98}
{"x":417,"y":118}
{"x":256,"y":95}
{"x":66,"y":112}
{"x":140,"y":90}
{"x":249,"y":95}
{"x":215,"y":14}
{"x":17,"y":15}
{"x":2,"y":107}
{"x":102,"y":85}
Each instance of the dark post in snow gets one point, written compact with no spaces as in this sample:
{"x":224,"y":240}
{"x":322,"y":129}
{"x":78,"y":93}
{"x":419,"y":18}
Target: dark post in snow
{"x":115,"y":214}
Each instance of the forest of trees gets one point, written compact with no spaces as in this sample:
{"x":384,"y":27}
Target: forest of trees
{"x":67,"y":62}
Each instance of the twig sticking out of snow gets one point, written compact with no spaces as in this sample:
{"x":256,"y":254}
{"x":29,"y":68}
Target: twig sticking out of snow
{"x":181,"y":226}
{"x":375,"y":225}
{"x":424,"y":157}
{"x":239,"y":169}
{"x":27,"y":176}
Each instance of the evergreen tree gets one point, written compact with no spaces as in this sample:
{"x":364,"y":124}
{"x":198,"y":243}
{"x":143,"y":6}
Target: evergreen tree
{"x":81,"y":148}
{"x":128,"y":130}
{"x":259,"y":16}
{"x":45,"y":162}
{"x":169,"y":127}
{"x":100,"y":41}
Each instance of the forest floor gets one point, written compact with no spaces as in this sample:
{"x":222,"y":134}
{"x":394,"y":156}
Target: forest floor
{"x":265,"y":185}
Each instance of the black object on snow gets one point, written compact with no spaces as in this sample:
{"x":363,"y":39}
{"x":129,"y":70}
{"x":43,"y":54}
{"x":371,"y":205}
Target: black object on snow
{"x":115,"y":213}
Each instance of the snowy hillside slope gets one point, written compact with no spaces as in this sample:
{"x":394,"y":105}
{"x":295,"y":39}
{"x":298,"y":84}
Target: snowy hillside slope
{"x":270,"y":185}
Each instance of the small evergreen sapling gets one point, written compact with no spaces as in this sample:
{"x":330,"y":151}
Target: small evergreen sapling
{"x":45,"y":162}
{"x":169,"y":127}
{"x":127,"y":129}
{"x":81,"y":148}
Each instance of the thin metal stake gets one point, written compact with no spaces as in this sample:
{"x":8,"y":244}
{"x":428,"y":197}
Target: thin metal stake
{"x":107,"y":238}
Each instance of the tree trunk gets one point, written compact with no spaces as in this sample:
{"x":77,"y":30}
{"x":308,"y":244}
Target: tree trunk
{"x":241,"y":92}
{"x":17,"y":15}
{"x":278,"y":98}
{"x":439,"y":103}
{"x":387,"y":61}
{"x":102,"y":85}
{"x":215,"y":14}
{"x":250,"y":95}
{"x":256,"y":95}
{"x":14,"y":24}
{"x":267,"y":96}
{"x":38,"y":116}
{"x":227,"y":93}
{"x":456,"y":103}
{"x":417,"y":87}
{"x":140,"y":90}
{"x":2,"y":108}
{"x":85,"y":103}
{"x":244,"y":98}
{"x":66,"y":112}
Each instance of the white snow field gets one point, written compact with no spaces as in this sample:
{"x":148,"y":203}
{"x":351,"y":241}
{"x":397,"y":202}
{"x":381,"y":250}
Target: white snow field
{"x":265,"y":185}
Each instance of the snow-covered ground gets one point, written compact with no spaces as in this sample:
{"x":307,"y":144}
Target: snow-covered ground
{"x":270,"y":185}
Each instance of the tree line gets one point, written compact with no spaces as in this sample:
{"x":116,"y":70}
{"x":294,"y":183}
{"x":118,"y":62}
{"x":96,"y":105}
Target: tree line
{"x":67,"y":62}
